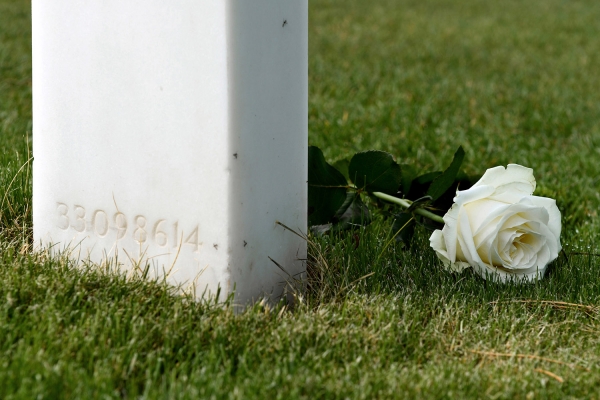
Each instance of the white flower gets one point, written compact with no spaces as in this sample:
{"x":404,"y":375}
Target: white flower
{"x":500,"y":229}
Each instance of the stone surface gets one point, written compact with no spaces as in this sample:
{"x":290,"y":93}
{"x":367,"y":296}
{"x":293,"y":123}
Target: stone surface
{"x":173,"y":135}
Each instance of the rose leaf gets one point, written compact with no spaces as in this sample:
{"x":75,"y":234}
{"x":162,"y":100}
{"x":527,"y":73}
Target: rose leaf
{"x":326,"y":188}
{"x":446,"y":179}
{"x":353,"y":211}
{"x":375,"y":171}
{"x":408,"y":175}
{"x":351,"y":214}
{"x":419,"y":185}
{"x":342,"y":166}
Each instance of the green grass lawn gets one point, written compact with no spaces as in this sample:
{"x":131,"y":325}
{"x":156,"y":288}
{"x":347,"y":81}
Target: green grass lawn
{"x":510,"y":81}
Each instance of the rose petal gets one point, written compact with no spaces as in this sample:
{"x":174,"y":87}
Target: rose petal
{"x":482,"y":212}
{"x":437,"y":243}
{"x":534,"y":240}
{"x":465,"y":239}
{"x":553,"y":245}
{"x":499,"y":228}
{"x":473,"y":194}
{"x":459,"y":266}
{"x":554,"y":223}
{"x":506,"y":238}
{"x":495,"y":256}
{"x":544,"y":256}
{"x":514,"y":177}
{"x":514,"y":221}
{"x":450,"y":231}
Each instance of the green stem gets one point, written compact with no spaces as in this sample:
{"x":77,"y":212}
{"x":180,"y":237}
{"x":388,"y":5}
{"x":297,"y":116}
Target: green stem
{"x":406,"y":204}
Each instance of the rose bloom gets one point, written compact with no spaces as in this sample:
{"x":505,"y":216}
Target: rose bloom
{"x":500,"y":229}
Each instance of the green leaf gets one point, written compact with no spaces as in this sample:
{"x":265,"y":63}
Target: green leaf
{"x":404,"y":223}
{"x":375,"y":171}
{"x":445,"y":201}
{"x":408,"y":175}
{"x":420,"y":185}
{"x":342,"y":166}
{"x":351,"y":214}
{"x":353,"y":211}
{"x":446,"y":179}
{"x":326,"y":188}
{"x":419,"y":203}
{"x":427,"y":178}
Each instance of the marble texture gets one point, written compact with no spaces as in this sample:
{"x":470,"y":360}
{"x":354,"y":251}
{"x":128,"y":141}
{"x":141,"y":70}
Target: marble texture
{"x":173,"y":135}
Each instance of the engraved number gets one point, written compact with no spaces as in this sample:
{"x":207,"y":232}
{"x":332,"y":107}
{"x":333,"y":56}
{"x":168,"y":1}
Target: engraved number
{"x":80,"y":221}
{"x":175,"y":230}
{"x":63,"y":219}
{"x":139,"y":234}
{"x":193,"y":239}
{"x":160,"y":237}
{"x":121,"y":223}
{"x":100,"y":226}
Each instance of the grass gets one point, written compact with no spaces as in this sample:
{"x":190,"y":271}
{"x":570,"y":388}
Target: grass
{"x":511,"y":81}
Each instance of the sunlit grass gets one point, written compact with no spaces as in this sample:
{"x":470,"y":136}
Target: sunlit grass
{"x":509,"y":81}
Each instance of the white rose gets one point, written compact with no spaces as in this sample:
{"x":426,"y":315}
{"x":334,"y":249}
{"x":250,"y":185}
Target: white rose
{"x":500,"y":229}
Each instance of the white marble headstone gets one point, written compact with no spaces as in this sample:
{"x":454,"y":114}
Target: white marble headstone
{"x":173,"y":134}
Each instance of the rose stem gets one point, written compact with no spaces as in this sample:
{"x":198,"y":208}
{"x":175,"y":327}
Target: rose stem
{"x":406,"y":204}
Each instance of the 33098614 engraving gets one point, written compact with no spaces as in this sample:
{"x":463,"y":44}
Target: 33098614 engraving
{"x":101,"y":223}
